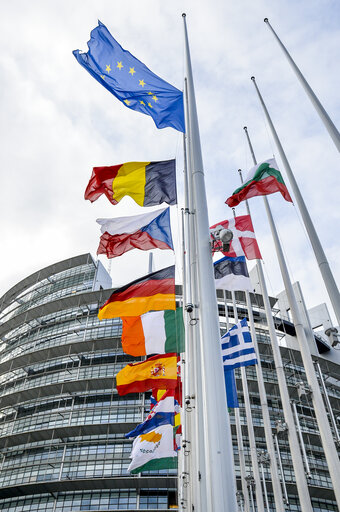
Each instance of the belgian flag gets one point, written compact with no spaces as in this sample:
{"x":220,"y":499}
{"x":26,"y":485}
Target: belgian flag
{"x":147,"y":183}
{"x":154,"y":292}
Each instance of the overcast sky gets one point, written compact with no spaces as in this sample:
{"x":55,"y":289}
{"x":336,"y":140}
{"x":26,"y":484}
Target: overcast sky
{"x":57,"y":122}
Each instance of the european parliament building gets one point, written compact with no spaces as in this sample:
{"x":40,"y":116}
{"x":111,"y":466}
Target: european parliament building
{"x":62,"y":423}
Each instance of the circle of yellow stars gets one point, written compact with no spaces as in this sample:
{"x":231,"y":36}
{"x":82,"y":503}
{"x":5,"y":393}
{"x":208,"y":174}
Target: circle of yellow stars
{"x":132,"y":71}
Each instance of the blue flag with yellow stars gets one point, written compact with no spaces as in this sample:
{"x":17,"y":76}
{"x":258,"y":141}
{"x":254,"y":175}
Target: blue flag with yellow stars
{"x":131,"y":81}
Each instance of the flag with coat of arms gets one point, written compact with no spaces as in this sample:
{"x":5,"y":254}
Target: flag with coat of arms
{"x":244,"y":241}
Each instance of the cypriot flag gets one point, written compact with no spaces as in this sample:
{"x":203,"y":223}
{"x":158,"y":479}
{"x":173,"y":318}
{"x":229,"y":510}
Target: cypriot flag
{"x":154,"y":450}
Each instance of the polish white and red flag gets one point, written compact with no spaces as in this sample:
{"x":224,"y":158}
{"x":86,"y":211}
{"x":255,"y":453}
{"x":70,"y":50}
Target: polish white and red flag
{"x":244,"y":242}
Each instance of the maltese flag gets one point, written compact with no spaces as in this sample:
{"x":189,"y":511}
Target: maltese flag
{"x":244,"y":242}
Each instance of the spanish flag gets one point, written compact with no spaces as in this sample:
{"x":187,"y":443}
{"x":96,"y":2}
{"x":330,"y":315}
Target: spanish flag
{"x":157,"y":372}
{"x":156,"y":291}
{"x":148,"y":183}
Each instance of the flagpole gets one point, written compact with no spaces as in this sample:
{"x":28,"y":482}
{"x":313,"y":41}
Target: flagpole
{"x":242,"y":461}
{"x":188,"y":436}
{"x":321,"y":259}
{"x":318,"y":404}
{"x":218,"y":445}
{"x":198,"y":494}
{"x":295,"y":451}
{"x":277,"y":490}
{"x":250,"y":425}
{"x":279,"y":503}
{"x":330,"y":126}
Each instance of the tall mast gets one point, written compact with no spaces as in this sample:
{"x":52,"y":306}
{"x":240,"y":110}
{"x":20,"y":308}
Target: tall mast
{"x":321,"y":259}
{"x":318,"y":404}
{"x":251,"y":433}
{"x":299,"y":470}
{"x":218,"y":445}
{"x":330,"y":126}
{"x":279,"y":504}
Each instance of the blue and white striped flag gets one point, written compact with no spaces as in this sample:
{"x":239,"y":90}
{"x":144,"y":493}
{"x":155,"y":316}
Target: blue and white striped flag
{"x":237,"y":347}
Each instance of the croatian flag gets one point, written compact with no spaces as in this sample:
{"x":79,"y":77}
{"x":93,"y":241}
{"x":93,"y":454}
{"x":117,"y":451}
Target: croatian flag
{"x":237,"y":347}
{"x":163,"y":413}
{"x":150,"y":230}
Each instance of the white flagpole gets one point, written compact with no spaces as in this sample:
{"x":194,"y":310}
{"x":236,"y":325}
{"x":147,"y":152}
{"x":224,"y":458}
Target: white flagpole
{"x":251,"y":434}
{"x":330,"y":126}
{"x":218,"y":445}
{"x":195,"y":431}
{"x":319,"y":407}
{"x":321,"y":259}
{"x":278,"y":498}
{"x":295,"y":451}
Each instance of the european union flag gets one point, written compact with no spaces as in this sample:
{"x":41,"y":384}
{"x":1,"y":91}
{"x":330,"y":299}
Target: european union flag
{"x":131,"y":81}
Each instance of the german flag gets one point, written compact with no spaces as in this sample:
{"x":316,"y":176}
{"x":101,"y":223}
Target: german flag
{"x":156,"y":372}
{"x":154,"y":292}
{"x":148,"y":183}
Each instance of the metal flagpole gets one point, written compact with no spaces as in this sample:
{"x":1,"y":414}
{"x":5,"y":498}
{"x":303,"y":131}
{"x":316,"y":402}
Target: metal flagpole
{"x":321,"y":259}
{"x":198,"y":473}
{"x":251,"y":434}
{"x":193,"y":439}
{"x":265,"y":415}
{"x":330,"y":127}
{"x":219,"y":469}
{"x":319,"y":408}
{"x":242,"y":461}
{"x":295,"y":451}
{"x":329,"y":407}
{"x":279,"y":504}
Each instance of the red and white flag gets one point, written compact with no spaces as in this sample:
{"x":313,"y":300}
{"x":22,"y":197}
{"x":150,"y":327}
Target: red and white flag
{"x":244,"y":242}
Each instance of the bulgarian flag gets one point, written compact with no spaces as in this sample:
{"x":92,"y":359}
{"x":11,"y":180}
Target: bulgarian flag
{"x":154,"y":450}
{"x":262,"y":180}
{"x":157,"y":332}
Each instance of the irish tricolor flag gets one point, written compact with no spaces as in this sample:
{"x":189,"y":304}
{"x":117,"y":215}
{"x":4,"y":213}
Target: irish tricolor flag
{"x":262,"y":180}
{"x":157,"y":332}
{"x":154,"y":450}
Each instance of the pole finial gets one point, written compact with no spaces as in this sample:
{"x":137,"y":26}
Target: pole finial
{"x":183,"y":15}
{"x":266,"y":20}
{"x":252,"y":78}
{"x":239,"y":171}
{"x":245,"y":128}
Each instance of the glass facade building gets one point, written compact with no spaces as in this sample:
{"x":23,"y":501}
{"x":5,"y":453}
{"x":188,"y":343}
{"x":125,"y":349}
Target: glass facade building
{"x":62,"y":423}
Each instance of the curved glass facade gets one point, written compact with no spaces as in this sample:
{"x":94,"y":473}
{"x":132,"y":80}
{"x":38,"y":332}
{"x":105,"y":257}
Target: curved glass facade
{"x":62,"y":423}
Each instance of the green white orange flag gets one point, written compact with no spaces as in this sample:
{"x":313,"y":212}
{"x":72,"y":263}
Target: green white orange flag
{"x":157,"y":332}
{"x":263,"y":179}
{"x":154,"y":450}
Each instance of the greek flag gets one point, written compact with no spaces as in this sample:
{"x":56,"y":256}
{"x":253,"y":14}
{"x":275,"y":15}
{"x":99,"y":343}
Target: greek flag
{"x":237,"y":347}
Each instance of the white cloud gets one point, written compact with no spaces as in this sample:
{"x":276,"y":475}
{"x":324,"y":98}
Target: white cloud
{"x":57,"y":122}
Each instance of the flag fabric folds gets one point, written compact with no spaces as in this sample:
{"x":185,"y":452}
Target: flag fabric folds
{"x":150,"y":230}
{"x":153,"y":450}
{"x":157,"y":372}
{"x":263,"y":179}
{"x":147,"y":183}
{"x":130,"y":81}
{"x":156,"y":291}
{"x":232,"y":274}
{"x":244,"y":242}
{"x":157,"y":332}
{"x":230,"y":387}
{"x":162,"y":414}
{"x":237,"y":347}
